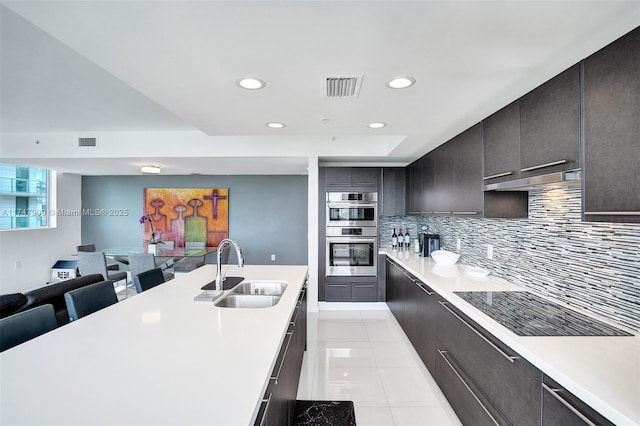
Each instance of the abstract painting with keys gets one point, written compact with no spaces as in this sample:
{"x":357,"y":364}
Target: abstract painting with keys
{"x":187,"y":216}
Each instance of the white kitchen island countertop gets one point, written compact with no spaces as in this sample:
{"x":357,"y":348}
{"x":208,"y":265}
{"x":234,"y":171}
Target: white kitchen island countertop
{"x":604,"y":372}
{"x":157,"y":358}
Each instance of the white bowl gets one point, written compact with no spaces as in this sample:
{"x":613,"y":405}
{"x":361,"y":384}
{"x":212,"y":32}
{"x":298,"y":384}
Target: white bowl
{"x":475,"y":271}
{"x":444,"y":257}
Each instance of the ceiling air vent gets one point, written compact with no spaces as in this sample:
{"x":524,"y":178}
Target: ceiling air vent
{"x":345,"y":86}
{"x":89,"y":142}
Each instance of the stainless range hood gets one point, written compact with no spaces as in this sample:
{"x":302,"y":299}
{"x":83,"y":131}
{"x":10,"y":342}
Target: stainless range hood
{"x":526,"y":184}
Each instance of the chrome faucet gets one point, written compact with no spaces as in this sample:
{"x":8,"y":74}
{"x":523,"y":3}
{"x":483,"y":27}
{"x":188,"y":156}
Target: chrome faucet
{"x":227,"y":242}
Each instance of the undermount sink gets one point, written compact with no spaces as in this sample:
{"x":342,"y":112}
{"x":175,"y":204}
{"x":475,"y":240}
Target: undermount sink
{"x":268,"y":288}
{"x":247,"y":301}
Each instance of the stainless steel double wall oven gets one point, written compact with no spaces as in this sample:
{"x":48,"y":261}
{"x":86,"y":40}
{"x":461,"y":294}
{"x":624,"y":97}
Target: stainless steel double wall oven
{"x":352,"y":233}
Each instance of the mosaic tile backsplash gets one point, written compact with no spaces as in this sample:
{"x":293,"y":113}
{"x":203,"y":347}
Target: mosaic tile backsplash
{"x":593,"y":266}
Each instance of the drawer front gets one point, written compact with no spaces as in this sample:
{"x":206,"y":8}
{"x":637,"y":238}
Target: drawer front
{"x":466,"y":400}
{"x":364,"y":292}
{"x":337,"y":292}
{"x":510,"y":382}
{"x":561,"y":408}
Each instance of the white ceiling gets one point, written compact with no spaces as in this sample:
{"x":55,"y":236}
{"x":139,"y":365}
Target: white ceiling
{"x":155,"y":80}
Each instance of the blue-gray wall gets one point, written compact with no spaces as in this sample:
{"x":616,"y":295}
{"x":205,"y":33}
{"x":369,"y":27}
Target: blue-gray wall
{"x":267,"y":214}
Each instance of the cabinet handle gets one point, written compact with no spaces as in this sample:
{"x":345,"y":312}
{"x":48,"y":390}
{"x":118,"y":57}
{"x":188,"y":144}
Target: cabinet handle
{"x":266,"y":409}
{"x":614,"y":213}
{"x":295,"y":315}
{"x":542,"y":166}
{"x":425,"y":290}
{"x":574,"y":410}
{"x":441,"y":212}
{"x":286,"y":349}
{"x":465,"y":212}
{"x":338,"y":285}
{"x":442,"y":354}
{"x":498,"y":175}
{"x":364,"y":285}
{"x":510,"y":358}
{"x":412,"y":280}
{"x":404,"y":273}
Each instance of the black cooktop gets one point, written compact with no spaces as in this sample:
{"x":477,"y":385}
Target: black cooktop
{"x":526,"y":314}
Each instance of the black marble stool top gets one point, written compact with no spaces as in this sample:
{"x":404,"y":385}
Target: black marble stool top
{"x":324,"y":413}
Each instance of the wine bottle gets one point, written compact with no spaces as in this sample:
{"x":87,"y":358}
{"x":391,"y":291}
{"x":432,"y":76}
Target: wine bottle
{"x":394,"y":239}
{"x":407,"y":239}
{"x":400,"y":238}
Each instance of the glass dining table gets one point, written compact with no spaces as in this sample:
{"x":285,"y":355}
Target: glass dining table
{"x":121,"y":254}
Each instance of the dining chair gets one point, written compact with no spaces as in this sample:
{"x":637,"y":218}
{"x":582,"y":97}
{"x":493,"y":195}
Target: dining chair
{"x":92,"y":248}
{"x":96,"y":263}
{"x":141,"y":262}
{"x":148,"y":279}
{"x":18,"y":328}
{"x":89,"y":299}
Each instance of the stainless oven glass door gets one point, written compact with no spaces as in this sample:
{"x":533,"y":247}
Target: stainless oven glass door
{"x":344,"y":214}
{"x":348,"y":256}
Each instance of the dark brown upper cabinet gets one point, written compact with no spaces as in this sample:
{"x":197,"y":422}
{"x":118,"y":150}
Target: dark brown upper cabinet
{"x":391,"y":199}
{"x":467,"y":155}
{"x":420,"y":185}
{"x":550,"y":125}
{"x":443,"y":195}
{"x":501,"y":133}
{"x":414,"y":187}
{"x":611,"y":172}
{"x":352,"y":178}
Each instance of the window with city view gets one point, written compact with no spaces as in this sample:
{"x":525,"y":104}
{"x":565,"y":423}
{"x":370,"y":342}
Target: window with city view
{"x":24,"y":200}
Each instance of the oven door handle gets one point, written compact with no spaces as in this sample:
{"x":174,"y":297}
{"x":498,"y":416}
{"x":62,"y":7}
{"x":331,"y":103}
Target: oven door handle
{"x":357,"y":240}
{"x":350,"y":206}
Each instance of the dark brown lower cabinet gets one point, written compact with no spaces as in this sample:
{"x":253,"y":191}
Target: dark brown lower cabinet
{"x":395,"y":290}
{"x":561,"y":408}
{"x":465,"y":398}
{"x":278,"y":405}
{"x":426,"y":328}
{"x":509,"y":384}
{"x":485,"y":381}
{"x":413,"y":304}
{"x":351,"y":289}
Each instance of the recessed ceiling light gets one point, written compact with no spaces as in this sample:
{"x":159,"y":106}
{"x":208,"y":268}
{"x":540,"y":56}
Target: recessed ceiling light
{"x":275,"y":125}
{"x":251,"y":83}
{"x":401,"y":82}
{"x":150,"y":169}
{"x":377,"y":125}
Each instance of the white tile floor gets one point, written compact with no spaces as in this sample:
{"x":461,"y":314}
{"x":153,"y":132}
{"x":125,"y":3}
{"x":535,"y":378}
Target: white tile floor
{"x":364,"y":357}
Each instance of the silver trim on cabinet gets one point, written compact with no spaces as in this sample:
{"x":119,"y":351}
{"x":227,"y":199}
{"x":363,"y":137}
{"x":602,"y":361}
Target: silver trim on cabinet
{"x":469,"y":213}
{"x":467,"y":386}
{"x":574,"y":410}
{"x":542,"y":166}
{"x":498,"y":175}
{"x":509,"y":358}
{"x":286,"y":349}
{"x":425,"y":290}
{"x":614,"y":213}
{"x":266,"y":409}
